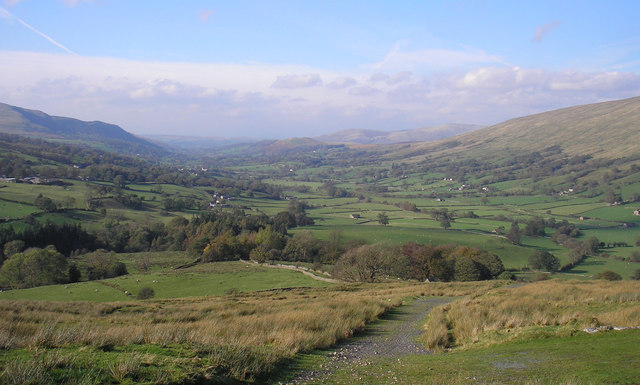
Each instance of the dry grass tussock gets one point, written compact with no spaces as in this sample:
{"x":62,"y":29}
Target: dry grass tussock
{"x":506,"y":313}
{"x":242,"y":335}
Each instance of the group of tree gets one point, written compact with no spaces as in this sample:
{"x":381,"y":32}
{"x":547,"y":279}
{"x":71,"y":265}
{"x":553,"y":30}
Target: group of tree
{"x":444,"y":216}
{"x":64,"y":237}
{"x":367,"y":263}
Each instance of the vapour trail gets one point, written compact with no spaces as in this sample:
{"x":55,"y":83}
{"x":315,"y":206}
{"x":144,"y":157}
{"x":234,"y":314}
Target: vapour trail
{"x":4,"y":12}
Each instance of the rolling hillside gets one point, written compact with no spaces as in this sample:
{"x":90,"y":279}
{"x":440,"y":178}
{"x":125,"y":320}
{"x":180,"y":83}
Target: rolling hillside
{"x":21,"y":121}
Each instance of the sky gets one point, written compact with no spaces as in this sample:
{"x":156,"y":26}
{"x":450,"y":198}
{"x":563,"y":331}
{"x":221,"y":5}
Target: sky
{"x":277,"y":69}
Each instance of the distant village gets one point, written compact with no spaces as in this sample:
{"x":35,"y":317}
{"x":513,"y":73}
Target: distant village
{"x":220,"y":200}
{"x":34,"y":180}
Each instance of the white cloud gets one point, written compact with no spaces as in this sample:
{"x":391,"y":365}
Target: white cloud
{"x":543,"y":30}
{"x":257,"y":99}
{"x":11,"y":3}
{"x":293,"y":81}
{"x":73,"y":3}
{"x":363,"y":91}
{"x":398,"y":60}
{"x":342,"y":82}
{"x":205,"y":15}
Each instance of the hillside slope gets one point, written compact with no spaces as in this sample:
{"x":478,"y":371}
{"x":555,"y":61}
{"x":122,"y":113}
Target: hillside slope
{"x":602,"y":130}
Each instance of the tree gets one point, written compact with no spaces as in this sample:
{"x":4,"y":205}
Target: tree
{"x":636,"y":275}
{"x":102,"y":264}
{"x":514,"y":234}
{"x":591,"y":245}
{"x":45,"y":204}
{"x":13,"y":247}
{"x":491,"y":263}
{"x":146,"y":293}
{"x":332,"y":247}
{"x":35,"y":267}
{"x":224,"y":247}
{"x":543,"y":260}
{"x":119,"y":182}
{"x":427,"y":262}
{"x":466,"y":269}
{"x":383,"y":219}
{"x":74,"y":273}
{"x":445,"y":223}
{"x":535,"y":227}
{"x":608,"y":275}
{"x":303,"y":246}
{"x":363,"y":264}
{"x":612,"y":197}
{"x":406,"y":205}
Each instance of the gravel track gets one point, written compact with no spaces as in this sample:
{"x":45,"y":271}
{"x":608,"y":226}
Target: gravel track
{"x":391,"y":337}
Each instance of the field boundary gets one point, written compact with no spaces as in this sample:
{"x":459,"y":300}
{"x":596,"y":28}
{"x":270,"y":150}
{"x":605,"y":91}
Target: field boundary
{"x":303,"y":270}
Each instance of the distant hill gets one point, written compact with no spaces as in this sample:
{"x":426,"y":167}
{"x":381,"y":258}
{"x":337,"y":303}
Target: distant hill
{"x":197,"y":142}
{"x":277,"y":148}
{"x":33,"y":123}
{"x":425,"y":134}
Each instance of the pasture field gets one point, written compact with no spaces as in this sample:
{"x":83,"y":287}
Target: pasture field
{"x":209,"y":279}
{"x":329,"y":213}
{"x":622,"y":213}
{"x":615,"y":234}
{"x":15,"y":210}
{"x":594,"y":265}
{"x":600,"y":220}
{"x":27,"y":193}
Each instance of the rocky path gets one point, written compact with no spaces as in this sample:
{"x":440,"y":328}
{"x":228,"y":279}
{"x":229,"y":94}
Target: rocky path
{"x":393,"y":336}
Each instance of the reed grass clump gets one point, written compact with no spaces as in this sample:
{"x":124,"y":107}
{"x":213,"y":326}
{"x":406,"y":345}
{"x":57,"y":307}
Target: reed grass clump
{"x":542,"y":307}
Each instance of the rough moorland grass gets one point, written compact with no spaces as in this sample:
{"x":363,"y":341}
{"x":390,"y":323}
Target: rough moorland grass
{"x":544,"y":308}
{"x":242,"y":336}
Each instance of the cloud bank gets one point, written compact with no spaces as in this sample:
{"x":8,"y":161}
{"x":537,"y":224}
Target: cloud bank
{"x":272,"y":101}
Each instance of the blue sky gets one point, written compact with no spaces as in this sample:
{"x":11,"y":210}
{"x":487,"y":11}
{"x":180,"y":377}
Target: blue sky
{"x":302,"y":68}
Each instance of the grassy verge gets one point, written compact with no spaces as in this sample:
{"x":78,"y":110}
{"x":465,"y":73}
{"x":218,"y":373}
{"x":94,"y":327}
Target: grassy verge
{"x":604,"y":358}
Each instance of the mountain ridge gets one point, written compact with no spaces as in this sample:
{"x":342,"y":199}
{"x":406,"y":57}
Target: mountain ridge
{"x":27,"y":122}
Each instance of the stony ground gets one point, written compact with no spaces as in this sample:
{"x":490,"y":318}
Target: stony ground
{"x":390,"y":338}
